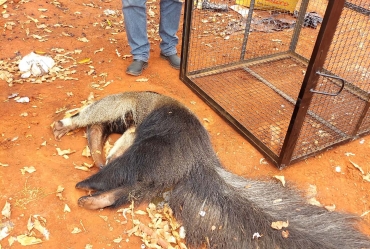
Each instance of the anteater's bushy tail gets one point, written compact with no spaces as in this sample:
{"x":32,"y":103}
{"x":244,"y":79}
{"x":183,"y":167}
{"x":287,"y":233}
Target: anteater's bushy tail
{"x":227,"y":211}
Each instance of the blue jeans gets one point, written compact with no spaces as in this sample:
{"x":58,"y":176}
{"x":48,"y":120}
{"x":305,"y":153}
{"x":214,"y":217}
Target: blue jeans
{"x":134,"y":12}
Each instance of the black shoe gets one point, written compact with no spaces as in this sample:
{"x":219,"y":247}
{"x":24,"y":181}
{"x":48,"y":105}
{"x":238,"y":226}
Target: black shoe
{"x":174,"y":60}
{"x":136,"y":67}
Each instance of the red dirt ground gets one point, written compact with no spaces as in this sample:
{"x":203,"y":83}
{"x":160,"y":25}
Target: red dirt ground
{"x":27,"y":140}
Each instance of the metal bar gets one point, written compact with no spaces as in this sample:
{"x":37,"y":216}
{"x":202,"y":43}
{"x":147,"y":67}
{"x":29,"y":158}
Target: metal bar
{"x":357,"y":8}
{"x":350,"y":87}
{"x":270,"y":85}
{"x":320,"y":51}
{"x":246,"y":30}
{"x":298,"y":25}
{"x":186,"y":32}
{"x":332,"y":77}
{"x":361,"y":120}
{"x":337,"y":143}
{"x":240,"y":64}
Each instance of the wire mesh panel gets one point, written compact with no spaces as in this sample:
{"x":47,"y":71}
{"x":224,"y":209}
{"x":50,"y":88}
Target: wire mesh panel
{"x":338,"y":117}
{"x":263,"y":119}
{"x":273,"y":71}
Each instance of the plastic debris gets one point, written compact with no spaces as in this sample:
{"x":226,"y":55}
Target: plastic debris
{"x":23,"y":100}
{"x":312,"y":20}
{"x":109,"y":12}
{"x":5,"y":229}
{"x":36,"y":65}
{"x":206,"y":5}
{"x":13,"y":95}
{"x":271,"y":24}
{"x":241,"y":10}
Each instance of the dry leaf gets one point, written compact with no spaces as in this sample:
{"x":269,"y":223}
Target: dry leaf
{"x":99,"y":50}
{"x":278,"y":225}
{"x":33,"y":19}
{"x":330,"y":208}
{"x":4,"y":164}
{"x":277,"y":201}
{"x":66,"y":208}
{"x":76,"y":230}
{"x":60,"y":189}
{"x":83,"y":168}
{"x":88,"y":246}
{"x":30,"y":170}
{"x":11,"y":240}
{"x":28,"y":240}
{"x":64,"y":152}
{"x":29,"y":224}
{"x":107,"y":147}
{"x":41,"y":26}
{"x":140,"y":212}
{"x":132,"y":230}
{"x":281,"y":179}
{"x":83,"y":39}
{"x":367,"y":177}
{"x":365,"y":213}
{"x":126,"y":56}
{"x":313,"y":201}
{"x":118,"y":240}
{"x":349,"y":154}
{"x":86,"y":152}
{"x":142,"y":80}
{"x":357,"y":167}
{"x":285,"y":234}
{"x":105,"y":218}
{"x":263,"y":161}
{"x":37,"y":225}
{"x":6,"y":210}
{"x":151,"y":13}
{"x":86,"y":60}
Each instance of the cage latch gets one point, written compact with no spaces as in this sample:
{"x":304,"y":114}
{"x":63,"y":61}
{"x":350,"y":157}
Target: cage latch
{"x":332,"y":77}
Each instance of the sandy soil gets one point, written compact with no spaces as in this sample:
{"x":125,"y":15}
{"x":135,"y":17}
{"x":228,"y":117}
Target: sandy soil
{"x":98,"y":66}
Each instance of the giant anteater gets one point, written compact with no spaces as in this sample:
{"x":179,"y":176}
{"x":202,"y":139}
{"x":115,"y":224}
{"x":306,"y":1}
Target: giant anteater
{"x":164,"y":146}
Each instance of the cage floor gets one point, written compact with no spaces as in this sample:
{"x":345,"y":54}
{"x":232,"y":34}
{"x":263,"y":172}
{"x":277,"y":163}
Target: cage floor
{"x":261,"y":98}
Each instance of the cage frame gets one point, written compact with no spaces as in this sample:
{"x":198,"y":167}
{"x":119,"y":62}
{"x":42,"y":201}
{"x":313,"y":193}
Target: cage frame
{"x":315,"y":69}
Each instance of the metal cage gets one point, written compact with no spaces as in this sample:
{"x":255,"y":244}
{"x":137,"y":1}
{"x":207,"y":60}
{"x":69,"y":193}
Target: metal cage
{"x":292,"y":88}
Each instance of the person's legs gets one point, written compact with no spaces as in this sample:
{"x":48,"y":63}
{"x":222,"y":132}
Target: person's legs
{"x":134,"y":12}
{"x":169,"y":25}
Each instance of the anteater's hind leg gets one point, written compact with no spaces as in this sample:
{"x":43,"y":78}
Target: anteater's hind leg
{"x":103,"y":199}
{"x":118,"y":196}
{"x":121,"y":145}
